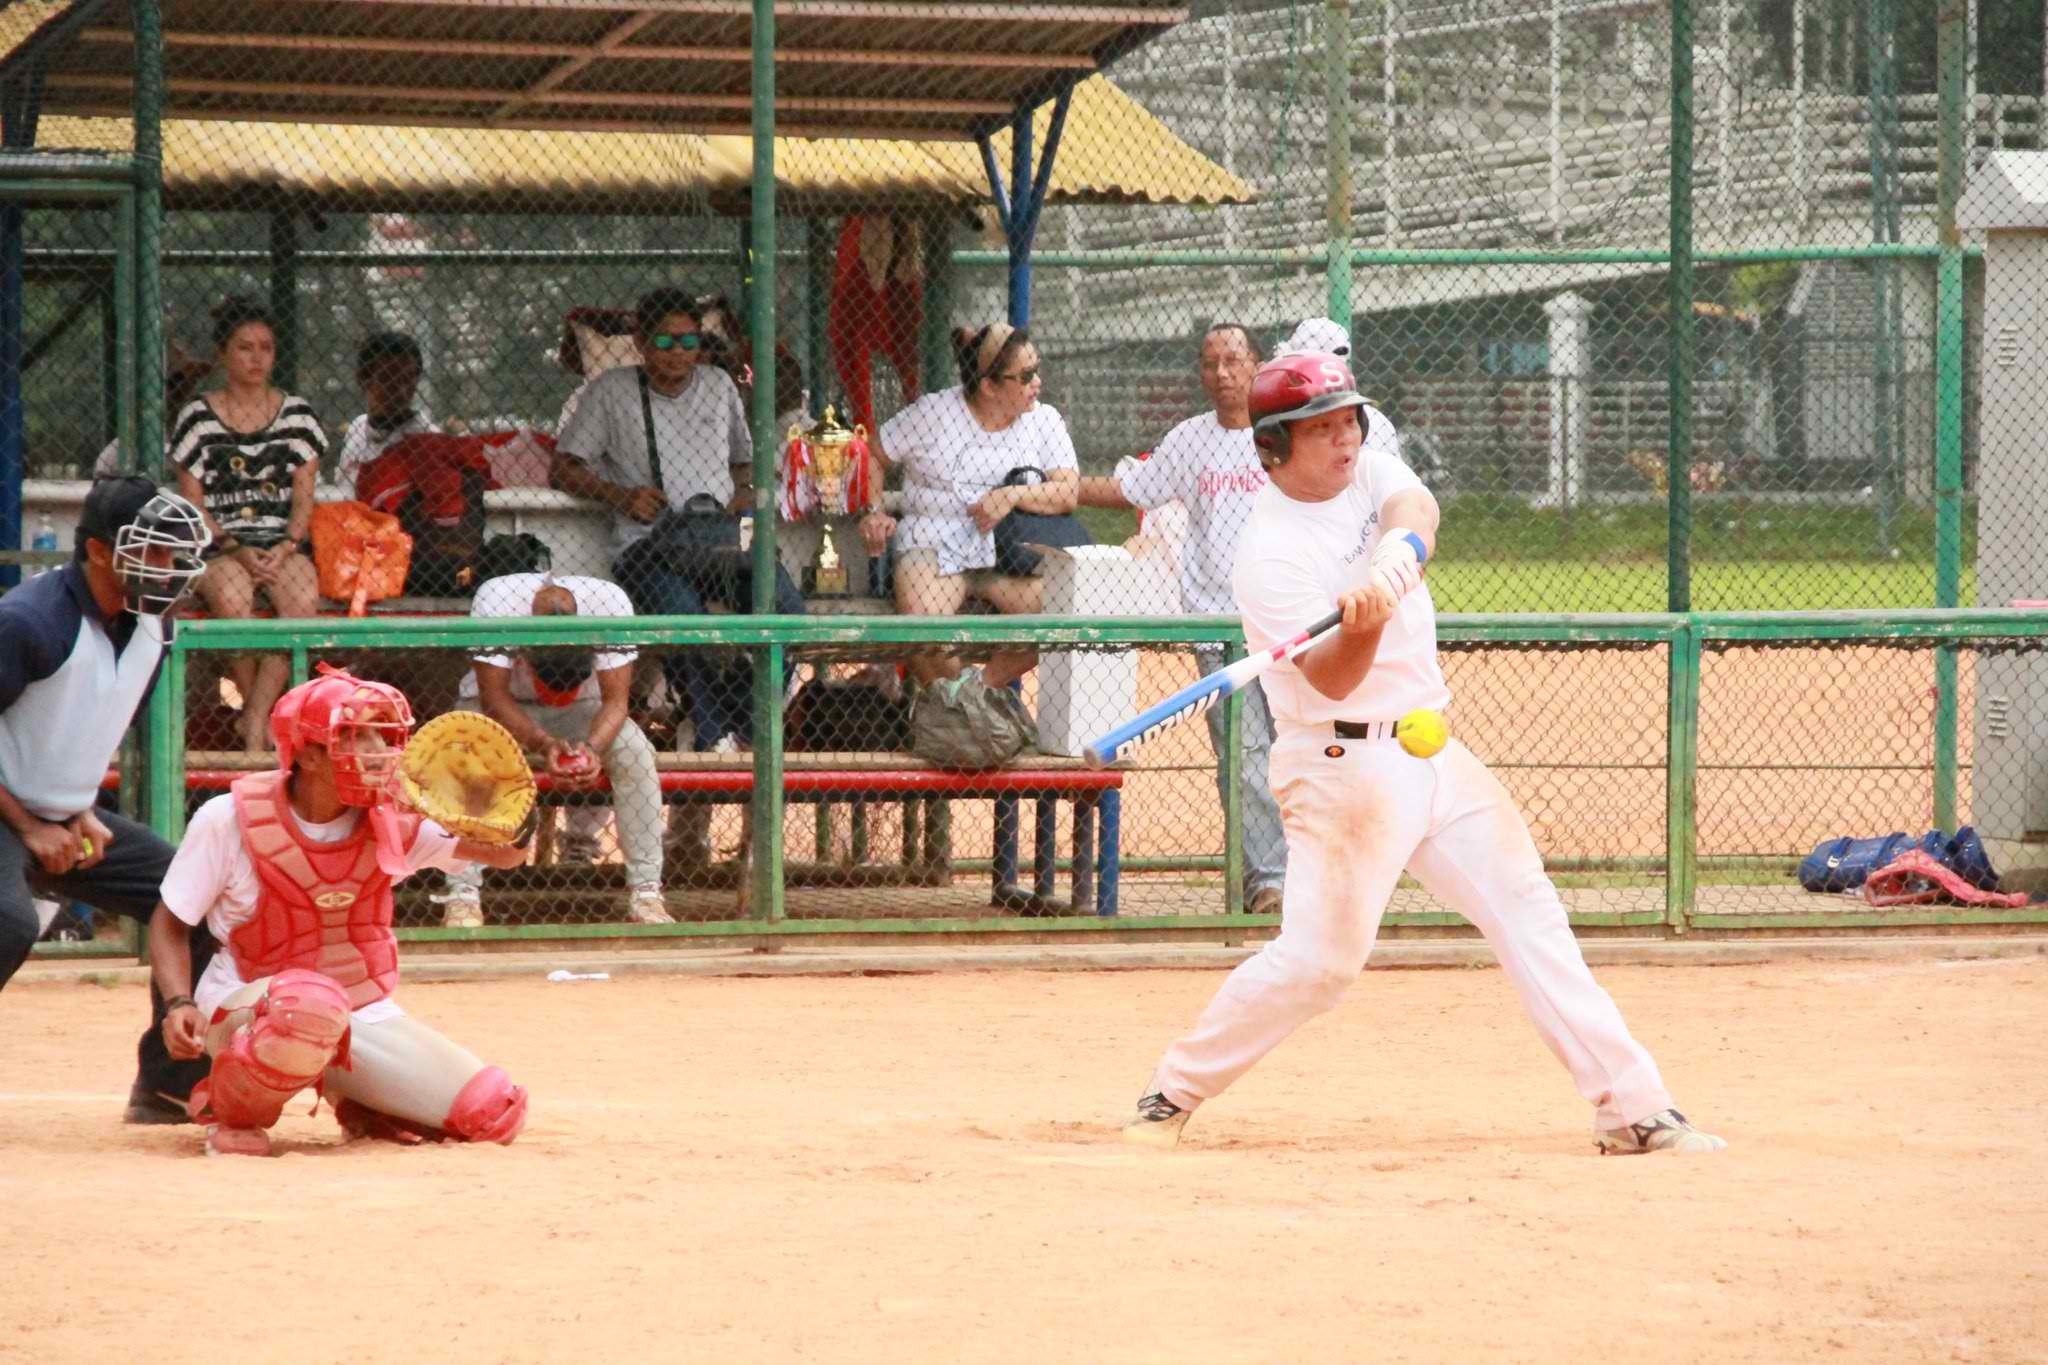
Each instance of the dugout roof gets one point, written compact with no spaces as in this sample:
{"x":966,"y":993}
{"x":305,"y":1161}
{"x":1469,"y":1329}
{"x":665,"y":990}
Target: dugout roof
{"x":897,"y":69}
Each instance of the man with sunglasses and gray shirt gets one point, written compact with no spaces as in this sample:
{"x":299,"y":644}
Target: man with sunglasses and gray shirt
{"x":648,"y":438}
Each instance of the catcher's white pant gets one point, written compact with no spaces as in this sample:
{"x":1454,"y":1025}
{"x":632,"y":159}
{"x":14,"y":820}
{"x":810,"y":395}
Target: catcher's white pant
{"x":397,"y":1066}
{"x":1357,"y":811}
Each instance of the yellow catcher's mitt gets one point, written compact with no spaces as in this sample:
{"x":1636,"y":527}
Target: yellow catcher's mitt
{"x":465,"y":772}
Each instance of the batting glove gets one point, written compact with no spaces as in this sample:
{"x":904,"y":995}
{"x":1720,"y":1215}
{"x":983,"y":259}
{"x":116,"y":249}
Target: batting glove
{"x":1396,"y":563}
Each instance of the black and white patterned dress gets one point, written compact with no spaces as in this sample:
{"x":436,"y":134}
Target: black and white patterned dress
{"x":247,"y":475}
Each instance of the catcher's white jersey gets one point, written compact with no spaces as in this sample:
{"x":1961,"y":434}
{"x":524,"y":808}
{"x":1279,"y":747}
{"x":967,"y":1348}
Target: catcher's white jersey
{"x":212,"y":878}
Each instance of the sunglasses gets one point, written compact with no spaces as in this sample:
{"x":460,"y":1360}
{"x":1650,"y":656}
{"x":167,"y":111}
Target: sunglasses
{"x":668,"y":341}
{"x":1022,"y":376}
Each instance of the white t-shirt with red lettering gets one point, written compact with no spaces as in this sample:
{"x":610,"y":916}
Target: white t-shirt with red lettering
{"x":1213,"y":471}
{"x":212,"y":878}
{"x":1296,"y":558}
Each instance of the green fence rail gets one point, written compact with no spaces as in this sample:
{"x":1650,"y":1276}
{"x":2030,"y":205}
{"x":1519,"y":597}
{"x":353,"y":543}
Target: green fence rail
{"x":1687,"y":644}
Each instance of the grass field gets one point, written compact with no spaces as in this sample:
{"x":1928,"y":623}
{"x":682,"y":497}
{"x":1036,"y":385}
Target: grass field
{"x":1499,"y":555}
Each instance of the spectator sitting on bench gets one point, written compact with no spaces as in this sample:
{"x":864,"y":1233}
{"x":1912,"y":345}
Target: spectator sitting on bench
{"x":388,"y":368}
{"x":248,"y":456}
{"x":955,"y":447}
{"x":569,"y":703}
{"x":644,"y":440}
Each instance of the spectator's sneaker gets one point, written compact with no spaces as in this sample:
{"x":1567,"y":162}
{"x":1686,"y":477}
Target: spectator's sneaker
{"x":1157,"y":1123}
{"x":729,"y":745}
{"x":1664,"y":1131}
{"x":459,"y":911}
{"x":150,"y":1106}
{"x":648,"y":906}
{"x":222,"y":1140}
{"x":1264,"y":901}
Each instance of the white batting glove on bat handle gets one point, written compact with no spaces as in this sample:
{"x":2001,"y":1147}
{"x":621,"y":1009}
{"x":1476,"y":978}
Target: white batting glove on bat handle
{"x":1397,"y":562}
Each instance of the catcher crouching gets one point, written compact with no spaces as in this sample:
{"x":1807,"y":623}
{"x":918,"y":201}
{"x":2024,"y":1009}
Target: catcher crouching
{"x":292,"y":870}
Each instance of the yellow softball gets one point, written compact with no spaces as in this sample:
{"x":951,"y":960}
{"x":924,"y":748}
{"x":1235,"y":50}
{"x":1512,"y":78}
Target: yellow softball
{"x":1422,"y":732}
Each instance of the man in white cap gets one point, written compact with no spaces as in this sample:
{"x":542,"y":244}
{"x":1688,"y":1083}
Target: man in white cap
{"x":1318,"y":334}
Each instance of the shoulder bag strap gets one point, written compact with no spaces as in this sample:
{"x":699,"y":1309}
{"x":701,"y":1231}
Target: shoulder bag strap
{"x":647,"y":416}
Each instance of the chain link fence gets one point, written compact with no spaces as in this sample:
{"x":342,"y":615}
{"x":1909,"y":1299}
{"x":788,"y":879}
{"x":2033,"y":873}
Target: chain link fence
{"x":1661,"y":300}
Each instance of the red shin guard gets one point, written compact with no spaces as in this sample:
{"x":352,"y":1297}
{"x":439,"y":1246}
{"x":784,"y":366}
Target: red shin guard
{"x":300,"y":1028}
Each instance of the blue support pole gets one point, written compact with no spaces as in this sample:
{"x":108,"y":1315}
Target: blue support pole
{"x":1019,"y":203}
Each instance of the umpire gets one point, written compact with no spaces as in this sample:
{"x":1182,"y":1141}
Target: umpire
{"x":80,"y":648}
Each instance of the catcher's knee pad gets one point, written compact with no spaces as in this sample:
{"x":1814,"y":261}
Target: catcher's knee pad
{"x":489,"y":1109}
{"x":300,"y":1029}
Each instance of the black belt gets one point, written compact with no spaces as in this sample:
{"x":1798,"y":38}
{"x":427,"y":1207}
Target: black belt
{"x":1378,"y":729}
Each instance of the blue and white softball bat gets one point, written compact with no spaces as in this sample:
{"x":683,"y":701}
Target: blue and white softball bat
{"x":1194,"y":699}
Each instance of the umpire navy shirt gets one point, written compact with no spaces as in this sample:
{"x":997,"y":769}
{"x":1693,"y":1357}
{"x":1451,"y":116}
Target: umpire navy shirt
{"x":71,"y":681}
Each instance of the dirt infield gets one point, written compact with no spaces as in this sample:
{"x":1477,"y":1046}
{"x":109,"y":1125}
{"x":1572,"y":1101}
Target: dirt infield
{"x":924,"y":1168}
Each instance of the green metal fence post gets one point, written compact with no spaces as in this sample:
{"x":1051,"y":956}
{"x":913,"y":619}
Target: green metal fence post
{"x":1678,"y":456}
{"x":1233,"y":783}
{"x":935,"y":341}
{"x":1951,"y":43}
{"x":1337,"y":94}
{"x":149,"y":223}
{"x":124,"y":330}
{"x":817,"y":297}
{"x":1681,"y":776}
{"x":767,"y":802}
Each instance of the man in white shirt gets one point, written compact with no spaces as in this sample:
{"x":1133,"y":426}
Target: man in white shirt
{"x":1346,"y":525}
{"x":570,"y":704}
{"x":1208,"y":466}
{"x":646,"y":439}
{"x":388,"y":368}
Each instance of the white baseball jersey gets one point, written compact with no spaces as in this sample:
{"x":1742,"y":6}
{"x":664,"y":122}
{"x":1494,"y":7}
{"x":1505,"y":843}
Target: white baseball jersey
{"x":212,"y":878}
{"x":1297,"y":558}
{"x":1214,"y":472}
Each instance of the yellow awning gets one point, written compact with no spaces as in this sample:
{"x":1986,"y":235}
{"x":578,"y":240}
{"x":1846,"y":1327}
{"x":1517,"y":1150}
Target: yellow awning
{"x":1112,"y":151}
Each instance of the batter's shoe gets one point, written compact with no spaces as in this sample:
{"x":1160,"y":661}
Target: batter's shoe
{"x":1664,"y":1131}
{"x":1157,"y":1123}
{"x":222,"y":1140}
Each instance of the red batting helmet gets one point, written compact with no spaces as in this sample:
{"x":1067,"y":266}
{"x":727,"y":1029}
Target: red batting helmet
{"x":1292,"y":387}
{"x":375,"y":717}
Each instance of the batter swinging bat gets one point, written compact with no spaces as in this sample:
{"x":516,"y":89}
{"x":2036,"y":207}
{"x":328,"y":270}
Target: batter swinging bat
{"x":1193,"y":700}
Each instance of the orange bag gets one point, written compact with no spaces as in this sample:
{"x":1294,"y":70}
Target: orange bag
{"x":361,"y":555}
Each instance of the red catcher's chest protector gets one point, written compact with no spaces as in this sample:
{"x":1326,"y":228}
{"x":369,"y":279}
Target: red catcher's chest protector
{"x":323,"y":907}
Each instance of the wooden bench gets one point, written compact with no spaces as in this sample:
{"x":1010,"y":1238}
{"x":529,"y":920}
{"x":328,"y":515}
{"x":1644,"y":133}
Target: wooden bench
{"x":858,"y":778}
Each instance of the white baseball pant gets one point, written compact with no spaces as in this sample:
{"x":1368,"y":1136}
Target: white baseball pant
{"x":397,"y":1066}
{"x":1357,"y":811}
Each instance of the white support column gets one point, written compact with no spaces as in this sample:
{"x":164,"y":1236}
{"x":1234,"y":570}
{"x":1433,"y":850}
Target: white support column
{"x":1571,"y":361}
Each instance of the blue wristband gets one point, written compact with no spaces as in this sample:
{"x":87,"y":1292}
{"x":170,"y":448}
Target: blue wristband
{"x":1421,"y":552}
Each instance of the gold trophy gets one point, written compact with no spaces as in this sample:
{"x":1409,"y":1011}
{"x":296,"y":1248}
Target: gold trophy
{"x":835,"y":460}
{"x":831,"y":447}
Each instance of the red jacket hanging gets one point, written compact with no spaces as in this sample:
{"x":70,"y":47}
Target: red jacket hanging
{"x":877,"y":305}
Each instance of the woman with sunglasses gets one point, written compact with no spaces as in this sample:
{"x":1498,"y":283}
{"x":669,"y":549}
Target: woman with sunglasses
{"x":955,"y":447}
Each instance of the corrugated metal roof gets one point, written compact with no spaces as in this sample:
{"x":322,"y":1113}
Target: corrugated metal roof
{"x":903,"y":69}
{"x":1112,"y":151}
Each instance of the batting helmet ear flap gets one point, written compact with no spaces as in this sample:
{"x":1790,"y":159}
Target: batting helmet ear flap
{"x":1273,"y":444}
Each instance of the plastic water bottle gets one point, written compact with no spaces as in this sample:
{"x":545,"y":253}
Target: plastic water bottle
{"x":46,"y":535}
